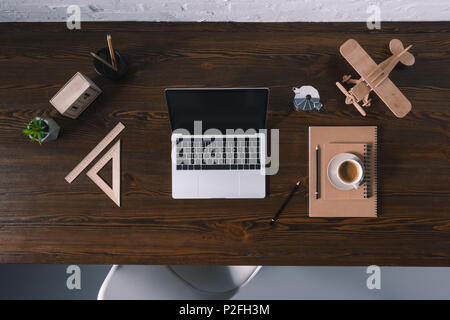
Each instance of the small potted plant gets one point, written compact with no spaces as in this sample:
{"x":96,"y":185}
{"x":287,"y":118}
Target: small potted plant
{"x":42,"y":129}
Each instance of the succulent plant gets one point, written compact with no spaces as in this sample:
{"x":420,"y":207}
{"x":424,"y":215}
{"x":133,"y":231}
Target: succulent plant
{"x":36,"y":130}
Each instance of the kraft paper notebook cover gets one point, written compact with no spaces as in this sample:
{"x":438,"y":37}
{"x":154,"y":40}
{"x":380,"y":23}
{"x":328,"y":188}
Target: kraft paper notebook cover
{"x":361,"y":203}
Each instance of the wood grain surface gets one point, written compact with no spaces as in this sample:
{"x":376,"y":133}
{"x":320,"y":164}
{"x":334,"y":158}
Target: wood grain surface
{"x":44,"y":219}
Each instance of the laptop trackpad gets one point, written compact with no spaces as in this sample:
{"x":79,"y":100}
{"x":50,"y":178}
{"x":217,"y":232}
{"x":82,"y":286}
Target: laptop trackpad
{"x":222,"y":184}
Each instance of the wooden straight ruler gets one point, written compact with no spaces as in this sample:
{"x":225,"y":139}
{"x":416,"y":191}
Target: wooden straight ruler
{"x":94,"y":152}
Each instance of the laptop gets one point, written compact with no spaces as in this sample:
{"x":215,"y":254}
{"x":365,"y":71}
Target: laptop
{"x":218,"y":150}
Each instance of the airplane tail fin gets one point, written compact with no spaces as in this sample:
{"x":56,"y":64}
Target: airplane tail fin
{"x":396,"y":47}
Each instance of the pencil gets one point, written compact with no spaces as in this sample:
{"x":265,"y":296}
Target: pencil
{"x":277,"y":215}
{"x":103,"y":61}
{"x":317,"y":172}
{"x":111,"y":50}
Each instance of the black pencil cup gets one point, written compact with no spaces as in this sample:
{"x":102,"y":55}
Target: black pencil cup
{"x":106,"y":71}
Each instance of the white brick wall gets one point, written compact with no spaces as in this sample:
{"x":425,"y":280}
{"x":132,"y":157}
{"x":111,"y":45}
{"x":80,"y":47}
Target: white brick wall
{"x":224,"y":10}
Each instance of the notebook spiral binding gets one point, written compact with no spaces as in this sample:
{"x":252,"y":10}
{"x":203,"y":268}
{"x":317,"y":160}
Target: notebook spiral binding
{"x":376,"y":147}
{"x":371,"y":169}
{"x":368,"y":171}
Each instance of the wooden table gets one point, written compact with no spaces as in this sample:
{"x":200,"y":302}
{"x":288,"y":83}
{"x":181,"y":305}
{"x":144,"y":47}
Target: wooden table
{"x":43,"y":219}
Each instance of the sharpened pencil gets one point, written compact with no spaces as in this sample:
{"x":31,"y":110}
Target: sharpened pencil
{"x":103,"y":61}
{"x":111,"y":50}
{"x":317,"y":173}
{"x":277,"y":215}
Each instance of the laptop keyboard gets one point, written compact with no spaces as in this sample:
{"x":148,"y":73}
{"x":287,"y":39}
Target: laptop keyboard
{"x":218,"y":153}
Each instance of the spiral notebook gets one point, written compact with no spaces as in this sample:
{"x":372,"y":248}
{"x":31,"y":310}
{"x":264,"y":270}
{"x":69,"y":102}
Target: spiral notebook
{"x":362,"y":141}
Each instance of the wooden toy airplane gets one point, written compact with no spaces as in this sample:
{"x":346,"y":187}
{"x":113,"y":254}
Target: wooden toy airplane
{"x":375,"y":77}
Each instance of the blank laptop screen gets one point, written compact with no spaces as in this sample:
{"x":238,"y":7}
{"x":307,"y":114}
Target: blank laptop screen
{"x":217,"y":108}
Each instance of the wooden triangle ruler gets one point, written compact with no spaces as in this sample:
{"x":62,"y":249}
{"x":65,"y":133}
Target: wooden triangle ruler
{"x":114,"y":154}
{"x":94,"y":152}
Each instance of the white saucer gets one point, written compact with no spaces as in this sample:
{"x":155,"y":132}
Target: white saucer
{"x":332,"y":171}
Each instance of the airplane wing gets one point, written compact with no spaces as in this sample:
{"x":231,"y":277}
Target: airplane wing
{"x":393,"y":98}
{"x":357,"y":57}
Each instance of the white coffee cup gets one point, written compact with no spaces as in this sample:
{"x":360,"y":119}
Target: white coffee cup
{"x":350,"y":172}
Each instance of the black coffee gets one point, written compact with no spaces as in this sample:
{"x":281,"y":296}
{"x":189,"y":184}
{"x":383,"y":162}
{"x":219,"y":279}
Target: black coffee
{"x":348,"y":171}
